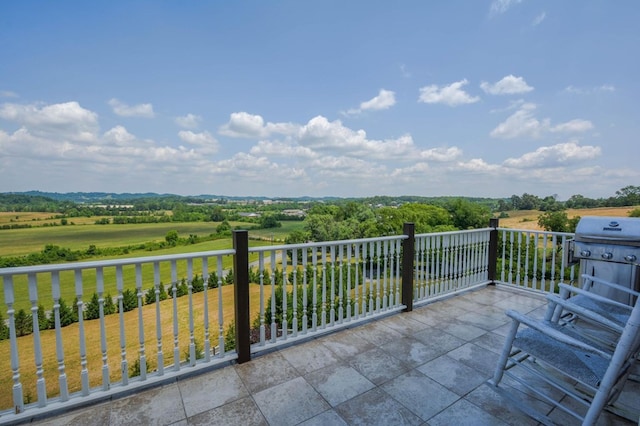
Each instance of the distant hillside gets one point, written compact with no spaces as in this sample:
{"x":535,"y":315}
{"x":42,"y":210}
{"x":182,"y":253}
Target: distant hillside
{"x":101,"y":197}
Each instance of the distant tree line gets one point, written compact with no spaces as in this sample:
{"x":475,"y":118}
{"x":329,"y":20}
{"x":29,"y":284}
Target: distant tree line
{"x":627,"y":196}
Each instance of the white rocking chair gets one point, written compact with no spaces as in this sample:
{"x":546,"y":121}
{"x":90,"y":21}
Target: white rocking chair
{"x":568,"y":357}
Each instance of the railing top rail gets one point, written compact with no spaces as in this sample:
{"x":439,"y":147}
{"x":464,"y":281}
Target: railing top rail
{"x":464,"y":231}
{"x":535,"y":231}
{"x":58,"y":267}
{"x":325,"y":243}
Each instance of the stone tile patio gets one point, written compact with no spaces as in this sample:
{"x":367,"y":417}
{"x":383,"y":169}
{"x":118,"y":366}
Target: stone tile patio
{"x":426,"y":367}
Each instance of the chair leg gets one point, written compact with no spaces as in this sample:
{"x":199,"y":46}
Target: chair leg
{"x":504,"y":356}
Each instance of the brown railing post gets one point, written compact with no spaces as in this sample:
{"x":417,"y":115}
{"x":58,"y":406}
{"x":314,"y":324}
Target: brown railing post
{"x":408,"y":253}
{"x":241,"y":274}
{"x":493,"y":250}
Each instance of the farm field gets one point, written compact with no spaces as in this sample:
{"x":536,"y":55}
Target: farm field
{"x":20,"y":242}
{"x":528,"y":219}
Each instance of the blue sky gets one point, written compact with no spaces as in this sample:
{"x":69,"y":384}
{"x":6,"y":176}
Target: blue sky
{"x":322,"y":98}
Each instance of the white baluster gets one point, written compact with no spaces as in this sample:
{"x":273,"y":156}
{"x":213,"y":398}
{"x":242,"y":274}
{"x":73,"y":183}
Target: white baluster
{"x":106,"y":382}
{"x":192,"y":337}
{"x":142,"y":350}
{"x":385,"y":296}
{"x":262,"y":308}
{"x":62,"y":375}
{"x":294,"y":268}
{"x":84,"y":373}
{"x":304,"y":291}
{"x":176,"y":342}
{"x":274,"y":327}
{"x":356,"y":284}
{"x":220,"y":312}
{"x":156,"y":284}
{"x":124,"y":365}
{"x":314,"y":308}
{"x":332,"y":263}
{"x":285,"y":322}
{"x":37,"y":345}
{"x":323,"y":314}
{"x":205,"y":289}
{"x":9,"y":298}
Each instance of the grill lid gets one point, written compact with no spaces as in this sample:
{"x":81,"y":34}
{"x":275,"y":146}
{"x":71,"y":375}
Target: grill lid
{"x":617,"y":230}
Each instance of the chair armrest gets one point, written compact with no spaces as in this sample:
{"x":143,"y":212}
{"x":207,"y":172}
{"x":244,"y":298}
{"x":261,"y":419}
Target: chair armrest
{"x":584,"y":312}
{"x":610,"y":284}
{"x":554,"y":333}
{"x":594,"y":296}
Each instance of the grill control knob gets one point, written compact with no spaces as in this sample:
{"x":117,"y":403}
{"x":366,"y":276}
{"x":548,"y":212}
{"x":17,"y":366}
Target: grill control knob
{"x":630,"y":258}
{"x":585,"y":253}
{"x":607,"y":256}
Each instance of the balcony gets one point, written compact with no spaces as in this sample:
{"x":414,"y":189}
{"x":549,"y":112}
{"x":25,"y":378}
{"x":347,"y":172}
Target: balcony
{"x":369,"y":339}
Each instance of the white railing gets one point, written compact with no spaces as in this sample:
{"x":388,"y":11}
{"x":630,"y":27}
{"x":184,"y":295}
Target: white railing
{"x":533,"y":260}
{"x":448,"y":262}
{"x":337,"y":283}
{"x":127,"y":349}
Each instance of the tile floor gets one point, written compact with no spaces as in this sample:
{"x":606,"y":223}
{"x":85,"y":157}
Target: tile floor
{"x":426,"y":367}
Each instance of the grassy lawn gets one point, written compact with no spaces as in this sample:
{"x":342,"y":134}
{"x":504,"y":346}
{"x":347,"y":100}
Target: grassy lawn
{"x":278,"y":234}
{"x":20,"y":242}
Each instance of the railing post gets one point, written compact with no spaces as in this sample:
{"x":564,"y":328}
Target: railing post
{"x":241,"y":274}
{"x":408,"y":253}
{"x":493,"y":250}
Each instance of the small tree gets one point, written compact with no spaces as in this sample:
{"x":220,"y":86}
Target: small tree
{"x":129,"y":299}
{"x":554,"y":221}
{"x":66,"y":314}
{"x":109,"y":307}
{"x":92,"y":310}
{"x":172,"y":238}
{"x":23,"y":322}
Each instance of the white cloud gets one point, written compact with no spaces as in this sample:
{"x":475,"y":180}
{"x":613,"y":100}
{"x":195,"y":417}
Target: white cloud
{"x":119,"y":136}
{"x":538,"y":19}
{"x":323,"y":135}
{"x":477,"y":165}
{"x":124,"y":110}
{"x":509,"y":85}
{"x":605,"y":88}
{"x":205,"y":141}
{"x":282,"y":149}
{"x":189,"y":121}
{"x":67,"y":119}
{"x":245,"y":125}
{"x":501,"y":6}
{"x":441,"y":154}
{"x":554,"y":156}
{"x":451,"y":95}
{"x":385,"y":100}
{"x":522,"y":123}
{"x":573,"y":126}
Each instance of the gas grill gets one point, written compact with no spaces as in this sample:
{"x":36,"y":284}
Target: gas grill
{"x":609,"y":248}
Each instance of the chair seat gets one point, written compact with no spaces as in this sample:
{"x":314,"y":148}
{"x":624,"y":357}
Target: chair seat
{"x":584,"y":366}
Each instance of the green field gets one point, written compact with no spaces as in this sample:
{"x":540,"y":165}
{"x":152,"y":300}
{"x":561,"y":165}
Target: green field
{"x":20,"y":242}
